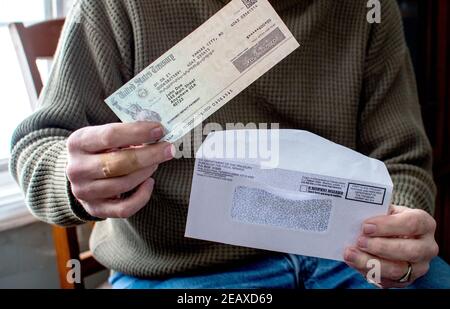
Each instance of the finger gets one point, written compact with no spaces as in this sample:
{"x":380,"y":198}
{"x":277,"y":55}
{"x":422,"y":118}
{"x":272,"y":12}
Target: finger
{"x":120,"y":163}
{"x":418,"y":270}
{"x":390,"y":272}
{"x":114,"y":135}
{"x":126,"y":161}
{"x":413,"y":222}
{"x":112,"y":187}
{"x":123,"y":208}
{"x":363,"y":262}
{"x":395,"y":209}
{"x":399,"y":249}
{"x":82,"y":167}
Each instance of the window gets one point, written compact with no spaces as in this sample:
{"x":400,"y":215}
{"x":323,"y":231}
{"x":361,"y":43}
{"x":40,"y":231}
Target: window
{"x":14,"y":97}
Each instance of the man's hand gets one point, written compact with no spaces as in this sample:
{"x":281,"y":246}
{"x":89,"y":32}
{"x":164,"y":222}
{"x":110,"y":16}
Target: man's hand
{"x":99,"y":193}
{"x":405,"y":235}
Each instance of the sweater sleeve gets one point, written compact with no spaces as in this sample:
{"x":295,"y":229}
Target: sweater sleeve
{"x":87,"y":68}
{"x":391,"y":127}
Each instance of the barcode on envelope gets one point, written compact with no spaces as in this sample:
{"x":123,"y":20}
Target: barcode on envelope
{"x":258,"y":206}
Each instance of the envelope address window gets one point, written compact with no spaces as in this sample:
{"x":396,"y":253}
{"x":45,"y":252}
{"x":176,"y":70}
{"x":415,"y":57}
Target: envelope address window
{"x":258,"y":206}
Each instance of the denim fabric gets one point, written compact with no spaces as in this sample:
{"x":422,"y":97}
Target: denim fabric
{"x":281,"y":271}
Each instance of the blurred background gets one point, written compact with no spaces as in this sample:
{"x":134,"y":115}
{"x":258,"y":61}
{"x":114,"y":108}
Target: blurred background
{"x":28,"y":256}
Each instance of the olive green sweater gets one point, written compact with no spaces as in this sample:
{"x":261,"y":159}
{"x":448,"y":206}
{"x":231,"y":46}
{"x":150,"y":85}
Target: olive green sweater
{"x":350,"y":82}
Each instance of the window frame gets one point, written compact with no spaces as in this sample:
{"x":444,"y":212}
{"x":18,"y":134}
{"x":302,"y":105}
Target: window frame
{"x":13,"y":210}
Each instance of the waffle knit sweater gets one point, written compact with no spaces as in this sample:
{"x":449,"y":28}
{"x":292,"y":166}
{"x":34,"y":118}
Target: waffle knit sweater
{"x":350,"y":82}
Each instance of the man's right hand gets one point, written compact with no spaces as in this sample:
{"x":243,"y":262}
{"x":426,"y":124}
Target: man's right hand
{"x":100,"y":195}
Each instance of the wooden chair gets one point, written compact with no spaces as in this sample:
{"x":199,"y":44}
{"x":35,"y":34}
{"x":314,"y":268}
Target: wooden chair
{"x":39,"y":41}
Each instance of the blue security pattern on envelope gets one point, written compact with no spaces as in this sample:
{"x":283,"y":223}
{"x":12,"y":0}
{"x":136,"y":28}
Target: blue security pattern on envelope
{"x":312,"y":202}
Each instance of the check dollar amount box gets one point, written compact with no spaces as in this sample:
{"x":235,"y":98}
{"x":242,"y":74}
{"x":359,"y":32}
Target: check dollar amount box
{"x":207,"y":69}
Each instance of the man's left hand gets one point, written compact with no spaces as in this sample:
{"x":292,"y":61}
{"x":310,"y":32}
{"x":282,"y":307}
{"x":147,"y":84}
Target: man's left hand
{"x":403,"y":237}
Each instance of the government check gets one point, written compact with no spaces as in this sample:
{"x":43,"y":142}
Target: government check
{"x":207,"y":69}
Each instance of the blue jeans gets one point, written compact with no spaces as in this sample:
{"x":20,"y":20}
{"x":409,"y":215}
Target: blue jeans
{"x":281,"y":271}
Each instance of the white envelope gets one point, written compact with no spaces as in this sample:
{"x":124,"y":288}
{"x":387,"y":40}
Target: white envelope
{"x":284,"y":190}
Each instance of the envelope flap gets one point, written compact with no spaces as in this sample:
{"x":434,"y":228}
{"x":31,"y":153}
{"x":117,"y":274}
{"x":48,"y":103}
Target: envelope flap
{"x":294,"y":150}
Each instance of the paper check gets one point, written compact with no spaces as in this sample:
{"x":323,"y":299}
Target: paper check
{"x":205,"y":70}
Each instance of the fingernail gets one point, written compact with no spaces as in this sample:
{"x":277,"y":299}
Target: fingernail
{"x":362,"y":242}
{"x":170,"y":151}
{"x":350,"y":255}
{"x":157,"y":133}
{"x":369,"y":228}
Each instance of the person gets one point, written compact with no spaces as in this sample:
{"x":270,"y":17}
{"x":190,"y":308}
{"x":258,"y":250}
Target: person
{"x":350,"y":81}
